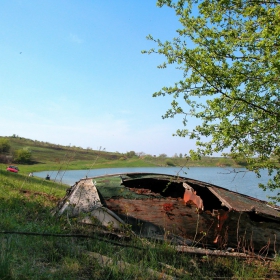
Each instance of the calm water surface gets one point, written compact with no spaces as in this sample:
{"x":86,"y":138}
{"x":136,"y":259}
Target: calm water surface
{"x":242,"y":182}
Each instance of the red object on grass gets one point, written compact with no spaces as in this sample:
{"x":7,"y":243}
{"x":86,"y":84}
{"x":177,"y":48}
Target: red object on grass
{"x":12,"y":168}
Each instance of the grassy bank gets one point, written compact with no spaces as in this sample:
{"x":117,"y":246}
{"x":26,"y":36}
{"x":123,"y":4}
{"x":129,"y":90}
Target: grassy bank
{"x":36,"y":245}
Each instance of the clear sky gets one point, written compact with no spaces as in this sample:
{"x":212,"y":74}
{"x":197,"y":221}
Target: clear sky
{"x":72,"y":72}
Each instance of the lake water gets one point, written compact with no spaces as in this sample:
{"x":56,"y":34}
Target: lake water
{"x":242,"y":182}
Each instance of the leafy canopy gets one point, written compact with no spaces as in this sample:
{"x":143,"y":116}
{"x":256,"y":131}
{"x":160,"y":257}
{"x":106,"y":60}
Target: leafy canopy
{"x":4,"y":146}
{"x":228,"y":51}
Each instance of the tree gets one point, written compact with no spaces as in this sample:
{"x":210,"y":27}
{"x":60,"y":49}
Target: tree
{"x":229,"y":54}
{"x":140,"y":154}
{"x":23,"y":156}
{"x":4,"y":145}
{"x":131,"y":154}
{"x":162,"y":155}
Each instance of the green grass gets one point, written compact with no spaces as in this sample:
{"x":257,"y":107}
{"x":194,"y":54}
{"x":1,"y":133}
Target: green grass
{"x":25,"y":208}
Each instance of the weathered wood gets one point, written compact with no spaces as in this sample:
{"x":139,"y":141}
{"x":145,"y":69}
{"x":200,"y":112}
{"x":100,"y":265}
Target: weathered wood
{"x":152,"y":217}
{"x":170,"y":206}
{"x":221,"y":229}
{"x":219,"y":253}
{"x":249,"y":232}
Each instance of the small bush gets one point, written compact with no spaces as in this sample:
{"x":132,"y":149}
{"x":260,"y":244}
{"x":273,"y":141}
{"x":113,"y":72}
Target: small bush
{"x":169,"y":162}
{"x":23,"y":156}
{"x":122,"y":158}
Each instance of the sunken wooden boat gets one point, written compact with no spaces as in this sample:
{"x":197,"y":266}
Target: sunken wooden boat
{"x":179,"y":209}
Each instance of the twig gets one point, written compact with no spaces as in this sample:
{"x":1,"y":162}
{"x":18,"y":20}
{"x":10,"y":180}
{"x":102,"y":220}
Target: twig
{"x":197,"y":222}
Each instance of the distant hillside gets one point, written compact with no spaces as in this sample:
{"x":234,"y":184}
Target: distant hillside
{"x":45,"y":151}
{"x":48,"y":156}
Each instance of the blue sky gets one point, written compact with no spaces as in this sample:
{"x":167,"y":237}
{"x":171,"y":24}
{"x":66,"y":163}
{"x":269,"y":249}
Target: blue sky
{"x":72,"y":72}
